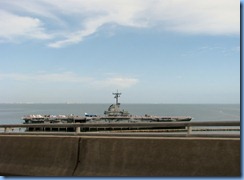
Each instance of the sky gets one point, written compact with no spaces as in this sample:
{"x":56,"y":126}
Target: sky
{"x":157,"y":51}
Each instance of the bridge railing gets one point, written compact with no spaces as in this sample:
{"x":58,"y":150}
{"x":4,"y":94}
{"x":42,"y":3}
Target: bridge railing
{"x":186,"y":127}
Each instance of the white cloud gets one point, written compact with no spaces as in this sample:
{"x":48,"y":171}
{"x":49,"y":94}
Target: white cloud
{"x":70,"y":21}
{"x":118,"y":82}
{"x":73,"y":38}
{"x":70,"y":77}
{"x":13,"y":26}
{"x":45,"y":77}
{"x":218,"y":17}
{"x":217,"y":49}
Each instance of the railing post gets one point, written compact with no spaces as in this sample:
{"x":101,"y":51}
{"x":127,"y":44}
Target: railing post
{"x":6,"y":129}
{"x":77,"y":130}
{"x":189,"y":129}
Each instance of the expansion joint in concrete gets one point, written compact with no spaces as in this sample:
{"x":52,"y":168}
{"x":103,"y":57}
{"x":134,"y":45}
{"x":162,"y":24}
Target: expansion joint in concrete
{"x":78,"y":157}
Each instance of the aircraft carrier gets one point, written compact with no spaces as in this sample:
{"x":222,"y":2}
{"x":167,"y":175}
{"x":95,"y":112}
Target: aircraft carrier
{"x":112,"y":115}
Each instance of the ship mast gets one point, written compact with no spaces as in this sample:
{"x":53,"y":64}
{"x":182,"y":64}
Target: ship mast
{"x":117,"y":95}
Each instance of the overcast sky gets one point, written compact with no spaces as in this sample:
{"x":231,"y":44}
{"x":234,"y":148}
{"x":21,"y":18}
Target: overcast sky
{"x":153,"y":51}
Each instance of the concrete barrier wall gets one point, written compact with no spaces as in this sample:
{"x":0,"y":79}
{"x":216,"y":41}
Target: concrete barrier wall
{"x":159,"y":157}
{"x":38,"y":156}
{"x":119,"y":156}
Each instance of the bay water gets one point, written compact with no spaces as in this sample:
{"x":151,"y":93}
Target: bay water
{"x":12,"y":113}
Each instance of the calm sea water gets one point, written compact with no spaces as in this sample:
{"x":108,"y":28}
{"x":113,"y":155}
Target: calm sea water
{"x":12,"y":113}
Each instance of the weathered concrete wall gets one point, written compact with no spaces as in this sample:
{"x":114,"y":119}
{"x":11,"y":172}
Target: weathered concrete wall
{"x":159,"y":157}
{"x":119,"y":156}
{"x":38,"y":156}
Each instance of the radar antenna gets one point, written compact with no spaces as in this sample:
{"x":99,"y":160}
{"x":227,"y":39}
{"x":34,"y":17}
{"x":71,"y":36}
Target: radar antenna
{"x":117,"y":95}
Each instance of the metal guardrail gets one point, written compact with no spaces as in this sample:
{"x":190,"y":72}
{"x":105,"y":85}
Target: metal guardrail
{"x":187,"y":125}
